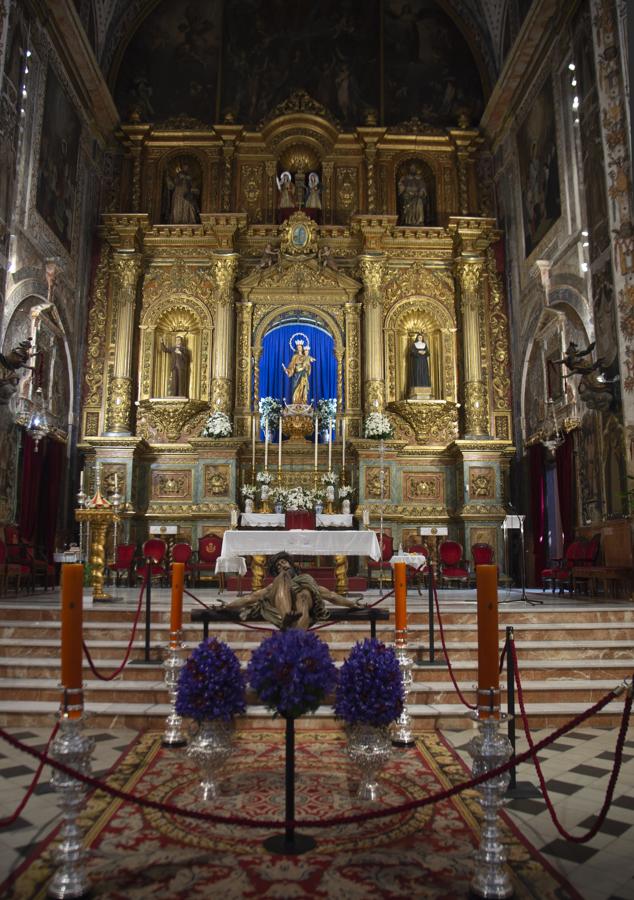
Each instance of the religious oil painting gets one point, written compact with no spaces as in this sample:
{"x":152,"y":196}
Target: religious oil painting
{"x":539,"y":169}
{"x":59,"y":149}
{"x":430,"y":72}
{"x":328,"y":49}
{"x":171,"y":64}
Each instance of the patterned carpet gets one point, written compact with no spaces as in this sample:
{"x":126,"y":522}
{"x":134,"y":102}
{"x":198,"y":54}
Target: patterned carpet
{"x":423,"y":853}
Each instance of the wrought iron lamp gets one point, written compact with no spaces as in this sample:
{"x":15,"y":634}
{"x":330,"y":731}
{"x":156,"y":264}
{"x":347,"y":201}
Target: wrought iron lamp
{"x":33,"y":415}
{"x":553,"y":437}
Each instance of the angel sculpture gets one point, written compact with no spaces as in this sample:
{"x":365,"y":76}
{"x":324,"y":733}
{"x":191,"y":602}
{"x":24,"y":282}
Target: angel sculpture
{"x":594,"y":388}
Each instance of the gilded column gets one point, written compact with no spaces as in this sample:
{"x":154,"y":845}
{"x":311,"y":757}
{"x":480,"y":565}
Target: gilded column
{"x":125,"y":270}
{"x":352,"y":361}
{"x":475,"y":394}
{"x":244,"y":399}
{"x":372,"y":267}
{"x":225,"y":267}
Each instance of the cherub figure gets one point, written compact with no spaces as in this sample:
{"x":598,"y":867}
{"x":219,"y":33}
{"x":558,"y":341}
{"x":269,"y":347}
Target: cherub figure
{"x":326,"y":259}
{"x":269,"y":257}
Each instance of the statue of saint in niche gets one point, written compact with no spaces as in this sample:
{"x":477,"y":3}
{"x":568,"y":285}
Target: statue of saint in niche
{"x":182,"y":195}
{"x":298,"y":370}
{"x":179,"y":367}
{"x":413,"y":197}
{"x":312,"y":203}
{"x":419,"y":367}
{"x":287,"y":199}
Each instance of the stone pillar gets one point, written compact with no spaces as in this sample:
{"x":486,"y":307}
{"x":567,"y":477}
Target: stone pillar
{"x":475,"y":393}
{"x":125,"y":270}
{"x":372,"y":267}
{"x":225,"y":267}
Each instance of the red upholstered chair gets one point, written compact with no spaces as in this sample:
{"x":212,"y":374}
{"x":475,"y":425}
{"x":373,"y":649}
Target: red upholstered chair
{"x":559,"y":573}
{"x":23,"y":553}
{"x":453,"y":567}
{"x":588,"y":559}
{"x":154,"y":550}
{"x":10,"y":570}
{"x":386,"y":545}
{"x":123,"y":562}
{"x":418,"y":577}
{"x":209,"y":549}
{"x":182,"y":553}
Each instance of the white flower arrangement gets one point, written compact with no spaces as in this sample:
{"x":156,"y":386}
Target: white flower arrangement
{"x":248,"y":491}
{"x":345,"y":492}
{"x":377,"y":426}
{"x":279,"y":496}
{"x":327,"y":409}
{"x":270,"y":410}
{"x":329,"y":478}
{"x":264,"y":477}
{"x":299,"y":498}
{"x":218,"y":425}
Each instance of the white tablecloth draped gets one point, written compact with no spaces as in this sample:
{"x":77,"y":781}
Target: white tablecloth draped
{"x":237,"y":544}
{"x":410,"y":559}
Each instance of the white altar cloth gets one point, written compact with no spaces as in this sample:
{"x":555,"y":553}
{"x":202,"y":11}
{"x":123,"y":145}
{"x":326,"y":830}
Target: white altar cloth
{"x":415,"y":560}
{"x":238,"y":544}
{"x":277,"y":520}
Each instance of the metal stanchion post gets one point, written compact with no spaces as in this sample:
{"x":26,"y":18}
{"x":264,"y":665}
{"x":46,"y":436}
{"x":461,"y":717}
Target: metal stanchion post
{"x":147,"y":658}
{"x":525,"y":789}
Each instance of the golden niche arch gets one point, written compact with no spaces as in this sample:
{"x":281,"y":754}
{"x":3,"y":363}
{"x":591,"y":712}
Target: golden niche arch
{"x":160,"y":325}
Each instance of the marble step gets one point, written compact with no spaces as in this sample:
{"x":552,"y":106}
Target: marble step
{"x":20,"y":666}
{"x":417,"y":632}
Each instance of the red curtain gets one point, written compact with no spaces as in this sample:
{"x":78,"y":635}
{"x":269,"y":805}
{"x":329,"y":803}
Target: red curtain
{"x":32,"y":468}
{"x":538,"y":506}
{"x":565,"y":481}
{"x":49,"y":496}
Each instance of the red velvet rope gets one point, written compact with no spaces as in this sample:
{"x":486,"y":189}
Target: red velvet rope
{"x":618,"y":758}
{"x":444,"y":647}
{"x":4,"y":823}
{"x":197,"y":599}
{"x":171,"y":809}
{"x":118,"y":671}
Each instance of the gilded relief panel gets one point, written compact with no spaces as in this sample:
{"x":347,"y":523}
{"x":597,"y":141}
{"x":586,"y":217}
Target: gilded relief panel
{"x":108,"y":472}
{"x":373,"y":483}
{"x":217,"y":481}
{"x":172,"y":485}
{"x":252,"y":191}
{"x":483,"y":535}
{"x":346,"y":193}
{"x":423,"y":487}
{"x":482,"y":483}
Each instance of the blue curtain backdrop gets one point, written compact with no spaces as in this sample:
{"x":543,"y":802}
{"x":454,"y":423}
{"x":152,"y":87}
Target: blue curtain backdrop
{"x":276,"y":350}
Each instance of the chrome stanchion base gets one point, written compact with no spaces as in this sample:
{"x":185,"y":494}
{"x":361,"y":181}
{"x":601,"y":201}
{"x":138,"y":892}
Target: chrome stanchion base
{"x":489,"y":750}
{"x":74,"y":749}
{"x":172,"y":664}
{"x":402,"y":735}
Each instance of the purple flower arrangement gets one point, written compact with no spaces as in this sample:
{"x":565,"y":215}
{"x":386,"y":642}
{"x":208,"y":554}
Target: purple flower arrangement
{"x":370,"y":687}
{"x":211,"y":684}
{"x":291,"y":672}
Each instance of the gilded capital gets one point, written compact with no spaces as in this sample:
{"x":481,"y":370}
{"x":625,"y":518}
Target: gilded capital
{"x":372,"y":266}
{"x":125,"y":269}
{"x":469,"y":273}
{"x":225,"y":267}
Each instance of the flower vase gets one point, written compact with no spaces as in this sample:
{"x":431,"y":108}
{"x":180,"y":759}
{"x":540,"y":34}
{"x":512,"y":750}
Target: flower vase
{"x":319,"y":508}
{"x":345,"y":507}
{"x":369,"y":748}
{"x":279,"y":508}
{"x":248,"y":505}
{"x":209,"y":749}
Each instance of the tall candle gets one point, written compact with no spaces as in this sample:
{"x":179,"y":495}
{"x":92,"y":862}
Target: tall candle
{"x":266,"y":444}
{"x":71,"y":634}
{"x":488,"y":640}
{"x":343,"y":447}
{"x":81,"y":481}
{"x":253,"y":443}
{"x":330,"y":445}
{"x":176,"y":610}
{"x":279,"y":450}
{"x":400,"y":599}
{"x":316,"y":440}
{"x":116,"y":483}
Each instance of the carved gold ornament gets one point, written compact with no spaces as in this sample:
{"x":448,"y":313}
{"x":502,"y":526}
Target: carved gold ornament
{"x":217,"y":481}
{"x":435,"y":422}
{"x":299,"y":235}
{"x":170,"y":420}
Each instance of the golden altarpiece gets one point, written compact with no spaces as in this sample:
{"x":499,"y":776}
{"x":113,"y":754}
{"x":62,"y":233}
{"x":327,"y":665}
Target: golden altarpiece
{"x":220,"y":281}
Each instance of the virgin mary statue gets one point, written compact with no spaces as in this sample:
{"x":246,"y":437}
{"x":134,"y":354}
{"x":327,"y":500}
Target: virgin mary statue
{"x":298,"y":370}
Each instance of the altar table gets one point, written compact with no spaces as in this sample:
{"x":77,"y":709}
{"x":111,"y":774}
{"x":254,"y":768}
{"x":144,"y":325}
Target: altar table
{"x":278,"y":520}
{"x":261,"y":543}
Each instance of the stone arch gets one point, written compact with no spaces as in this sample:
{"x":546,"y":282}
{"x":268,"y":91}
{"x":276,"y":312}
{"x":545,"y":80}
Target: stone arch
{"x":433,"y":318}
{"x":162,"y":320}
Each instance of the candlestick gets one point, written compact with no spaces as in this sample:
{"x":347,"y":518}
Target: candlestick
{"x":279,"y":450}
{"x":116,"y":483}
{"x":343,"y":448}
{"x":253,"y":445}
{"x":71,"y":637}
{"x":488,"y":642}
{"x":176,"y":611}
{"x":400,"y":598}
{"x":330,"y":444}
{"x":81,"y":482}
{"x":234,"y":517}
{"x":266,"y":444}
{"x":316,"y":440}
